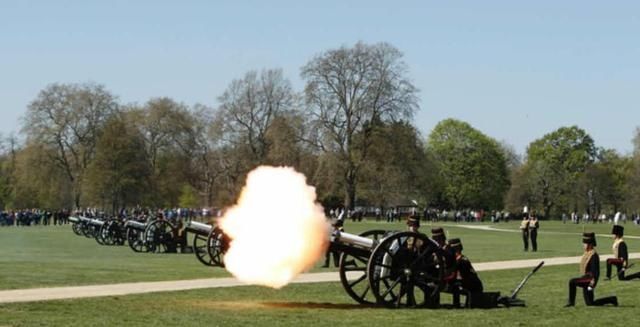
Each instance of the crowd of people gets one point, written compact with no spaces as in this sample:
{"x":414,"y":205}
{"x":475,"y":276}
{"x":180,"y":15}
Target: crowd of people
{"x":31,"y":217}
{"x":44,"y":217}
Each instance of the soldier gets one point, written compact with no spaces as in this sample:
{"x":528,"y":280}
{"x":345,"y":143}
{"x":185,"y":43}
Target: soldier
{"x":590,"y":271}
{"x":533,"y":231}
{"x":337,"y":226}
{"x":466,"y":279}
{"x":524,"y":227}
{"x":620,"y":255}
{"x":413,"y":223}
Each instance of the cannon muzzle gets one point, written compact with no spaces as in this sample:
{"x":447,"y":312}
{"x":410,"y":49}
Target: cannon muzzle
{"x":74,"y":220}
{"x":95,"y":222}
{"x":353,"y":240}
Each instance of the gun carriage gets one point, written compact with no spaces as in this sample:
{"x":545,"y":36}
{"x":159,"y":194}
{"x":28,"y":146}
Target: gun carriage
{"x":209,"y":243}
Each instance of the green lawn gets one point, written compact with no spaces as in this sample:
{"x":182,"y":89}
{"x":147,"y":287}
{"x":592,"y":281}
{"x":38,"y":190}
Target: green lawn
{"x":54,"y":256}
{"x":327,"y":305}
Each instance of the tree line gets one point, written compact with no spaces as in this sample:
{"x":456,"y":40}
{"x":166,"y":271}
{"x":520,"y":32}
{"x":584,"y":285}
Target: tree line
{"x":350,"y":131}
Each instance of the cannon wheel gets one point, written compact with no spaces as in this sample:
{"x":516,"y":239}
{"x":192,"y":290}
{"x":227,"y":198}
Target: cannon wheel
{"x":403,"y":271}
{"x":135,"y":241}
{"x":97,"y":234}
{"x":201,"y":249}
{"x":159,"y":236}
{"x":111,"y":232}
{"x":217,"y":245}
{"x":77,"y":229}
{"x":353,"y":272}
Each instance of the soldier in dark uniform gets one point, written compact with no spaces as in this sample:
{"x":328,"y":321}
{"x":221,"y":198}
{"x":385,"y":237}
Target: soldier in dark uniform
{"x":590,"y":272}
{"x":524,"y":227}
{"x":413,"y":223}
{"x":337,"y":226}
{"x":533,"y":231}
{"x":620,"y":256}
{"x":466,"y":279}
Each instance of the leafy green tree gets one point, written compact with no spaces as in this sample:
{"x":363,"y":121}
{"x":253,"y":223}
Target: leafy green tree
{"x":188,"y":197}
{"x":119,"y":174}
{"x":398,"y":170}
{"x":556,"y":162}
{"x":471,"y":166}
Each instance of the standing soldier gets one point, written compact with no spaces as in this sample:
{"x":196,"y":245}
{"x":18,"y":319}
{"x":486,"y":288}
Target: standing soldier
{"x":533,"y":231}
{"x":524,"y":227}
{"x":338,"y":226}
{"x":590,"y":272}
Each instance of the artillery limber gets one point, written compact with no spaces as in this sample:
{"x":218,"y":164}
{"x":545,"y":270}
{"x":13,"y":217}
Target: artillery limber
{"x":209,"y":243}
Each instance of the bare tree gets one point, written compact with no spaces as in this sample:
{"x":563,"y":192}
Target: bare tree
{"x":249,"y":106}
{"x":346,"y":90}
{"x":69,"y":118}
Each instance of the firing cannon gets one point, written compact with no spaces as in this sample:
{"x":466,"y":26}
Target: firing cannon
{"x":209,"y":243}
{"x":394,"y":269}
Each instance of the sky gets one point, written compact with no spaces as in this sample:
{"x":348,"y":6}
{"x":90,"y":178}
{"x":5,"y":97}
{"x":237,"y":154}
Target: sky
{"x":515,"y":70}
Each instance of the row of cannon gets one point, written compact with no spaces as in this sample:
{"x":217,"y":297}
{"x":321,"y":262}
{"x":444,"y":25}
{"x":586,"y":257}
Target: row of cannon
{"x":387,"y":268}
{"x":156,"y":236}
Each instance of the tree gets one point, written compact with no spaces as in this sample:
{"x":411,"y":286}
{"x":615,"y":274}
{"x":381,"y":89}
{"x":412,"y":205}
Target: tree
{"x":556,"y":163}
{"x":118,"y":175}
{"x":398,"y":169}
{"x":69,"y":118}
{"x":249,"y":106}
{"x":471,"y":166}
{"x":346,"y":90}
{"x":164,"y":124}
{"x":605,"y":181}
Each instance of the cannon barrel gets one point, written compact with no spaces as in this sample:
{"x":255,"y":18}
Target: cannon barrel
{"x":352,"y":239}
{"x":199,"y":228}
{"x":74,"y":220}
{"x":136,"y":225}
{"x":96,"y":222}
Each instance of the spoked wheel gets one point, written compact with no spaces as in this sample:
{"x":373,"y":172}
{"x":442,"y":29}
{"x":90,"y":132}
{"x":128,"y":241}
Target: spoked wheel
{"x":77,"y":229}
{"x":86,"y":230}
{"x":217,"y":246}
{"x":353,"y":272}
{"x":159,"y":236}
{"x":118,"y":232}
{"x":200,"y":248}
{"x":110,"y":232}
{"x":135,"y":240}
{"x":403,"y":271}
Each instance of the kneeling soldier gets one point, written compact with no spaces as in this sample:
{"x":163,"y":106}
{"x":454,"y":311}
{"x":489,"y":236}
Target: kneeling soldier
{"x":466,"y":278}
{"x":620,"y":255}
{"x":590,"y":271}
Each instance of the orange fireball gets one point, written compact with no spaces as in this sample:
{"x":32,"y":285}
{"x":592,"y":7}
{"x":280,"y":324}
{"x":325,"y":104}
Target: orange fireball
{"x":278,"y":230}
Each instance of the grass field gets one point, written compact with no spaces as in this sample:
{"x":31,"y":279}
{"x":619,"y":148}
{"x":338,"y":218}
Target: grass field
{"x":54,"y":256}
{"x":326,"y":304}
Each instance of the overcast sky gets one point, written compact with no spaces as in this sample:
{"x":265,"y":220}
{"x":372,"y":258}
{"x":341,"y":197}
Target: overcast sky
{"x":513,"y":69}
